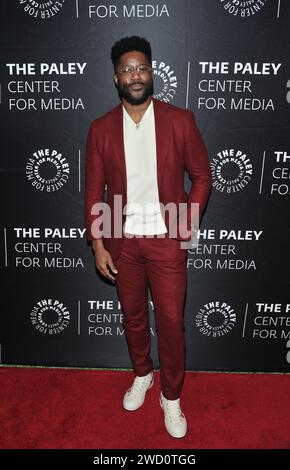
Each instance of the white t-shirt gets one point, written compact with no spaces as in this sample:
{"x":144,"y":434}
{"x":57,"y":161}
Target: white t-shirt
{"x":143,"y":215}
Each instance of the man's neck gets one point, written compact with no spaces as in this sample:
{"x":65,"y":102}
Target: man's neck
{"x":136,"y":111}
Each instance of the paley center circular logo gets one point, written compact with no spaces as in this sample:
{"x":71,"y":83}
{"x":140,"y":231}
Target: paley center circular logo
{"x":243,"y":8}
{"x":231,"y":170}
{"x":42,"y":9}
{"x":50,"y":316}
{"x":47,"y":170}
{"x":215,"y":319}
{"x":165,"y":81}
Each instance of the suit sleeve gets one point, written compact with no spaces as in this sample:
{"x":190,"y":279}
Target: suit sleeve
{"x":197,"y":165}
{"x":94,"y":185}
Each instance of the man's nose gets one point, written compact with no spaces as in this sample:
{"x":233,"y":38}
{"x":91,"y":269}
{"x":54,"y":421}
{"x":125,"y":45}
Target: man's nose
{"x":135,"y":73}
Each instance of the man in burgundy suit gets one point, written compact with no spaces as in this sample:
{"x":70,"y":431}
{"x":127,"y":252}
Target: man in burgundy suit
{"x":138,"y":153}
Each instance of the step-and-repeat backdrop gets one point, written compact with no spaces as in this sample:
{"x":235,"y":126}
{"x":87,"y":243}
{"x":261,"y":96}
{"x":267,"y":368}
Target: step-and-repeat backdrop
{"x":228,"y":61}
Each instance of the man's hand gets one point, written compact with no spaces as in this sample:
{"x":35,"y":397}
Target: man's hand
{"x":103,"y":260}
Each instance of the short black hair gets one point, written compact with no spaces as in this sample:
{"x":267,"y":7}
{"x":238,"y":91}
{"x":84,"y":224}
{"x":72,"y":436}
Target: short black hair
{"x":128,"y":44}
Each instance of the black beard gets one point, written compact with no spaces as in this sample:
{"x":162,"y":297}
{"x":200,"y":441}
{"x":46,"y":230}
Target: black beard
{"x":124,"y":92}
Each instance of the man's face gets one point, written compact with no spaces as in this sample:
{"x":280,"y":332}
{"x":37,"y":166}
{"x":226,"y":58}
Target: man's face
{"x":135,"y":87}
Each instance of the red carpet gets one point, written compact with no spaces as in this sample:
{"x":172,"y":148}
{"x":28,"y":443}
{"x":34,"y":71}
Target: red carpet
{"x":81,"y":409}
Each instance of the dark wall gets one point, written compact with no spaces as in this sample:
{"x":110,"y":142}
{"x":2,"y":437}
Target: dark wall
{"x":227,"y":63}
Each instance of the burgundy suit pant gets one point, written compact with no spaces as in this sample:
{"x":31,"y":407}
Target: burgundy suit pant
{"x":159,"y":264}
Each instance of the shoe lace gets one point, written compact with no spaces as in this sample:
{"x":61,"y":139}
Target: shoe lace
{"x":140,"y":384}
{"x":174,"y":411}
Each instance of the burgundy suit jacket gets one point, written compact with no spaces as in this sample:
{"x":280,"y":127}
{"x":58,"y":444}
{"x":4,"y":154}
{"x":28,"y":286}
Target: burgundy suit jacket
{"x":179,"y":147}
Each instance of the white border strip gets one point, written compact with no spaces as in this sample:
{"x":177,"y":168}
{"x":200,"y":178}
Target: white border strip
{"x":187,"y":84}
{"x":278,"y":9}
{"x":262,"y":173}
{"x":79,"y":317}
{"x":5,"y":247}
{"x":245,"y":320}
{"x":79,"y":170}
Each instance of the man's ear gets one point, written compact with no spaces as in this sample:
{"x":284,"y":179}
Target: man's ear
{"x":115,"y":78}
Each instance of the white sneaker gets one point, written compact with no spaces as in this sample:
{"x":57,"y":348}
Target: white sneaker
{"x":135,"y":395}
{"x":174,"y":419}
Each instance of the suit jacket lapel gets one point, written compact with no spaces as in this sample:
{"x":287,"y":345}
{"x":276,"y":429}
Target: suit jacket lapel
{"x":162,"y":131}
{"x":117,"y":141}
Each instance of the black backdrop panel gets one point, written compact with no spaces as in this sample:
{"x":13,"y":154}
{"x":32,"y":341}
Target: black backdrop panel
{"x":228,"y":61}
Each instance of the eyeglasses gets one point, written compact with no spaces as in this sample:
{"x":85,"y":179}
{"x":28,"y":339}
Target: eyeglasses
{"x":128,"y":70}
